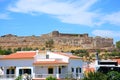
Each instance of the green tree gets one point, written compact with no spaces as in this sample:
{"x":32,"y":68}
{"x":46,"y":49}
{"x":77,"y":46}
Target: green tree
{"x":5,"y":52}
{"x":113,"y":75}
{"x":27,"y":49}
{"x":8,"y":51}
{"x":19,"y":78}
{"x":118,"y":45}
{"x":49,"y":44}
{"x":17,"y":49}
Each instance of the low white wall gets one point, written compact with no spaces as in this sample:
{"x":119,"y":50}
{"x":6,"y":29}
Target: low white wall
{"x":58,"y":56}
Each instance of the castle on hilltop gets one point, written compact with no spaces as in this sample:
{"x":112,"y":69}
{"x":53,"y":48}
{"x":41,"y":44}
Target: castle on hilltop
{"x":74,"y":40}
{"x":80,"y":40}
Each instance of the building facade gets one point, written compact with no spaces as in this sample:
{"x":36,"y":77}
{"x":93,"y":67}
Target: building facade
{"x":39,"y":65}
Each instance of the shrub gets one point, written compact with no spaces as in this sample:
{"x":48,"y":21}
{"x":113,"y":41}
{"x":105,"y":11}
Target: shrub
{"x":113,"y":75}
{"x":19,"y":78}
{"x":51,"y":78}
{"x":95,"y":76}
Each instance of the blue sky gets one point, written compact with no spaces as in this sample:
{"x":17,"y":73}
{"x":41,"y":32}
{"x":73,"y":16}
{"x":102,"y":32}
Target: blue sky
{"x":36,"y":17}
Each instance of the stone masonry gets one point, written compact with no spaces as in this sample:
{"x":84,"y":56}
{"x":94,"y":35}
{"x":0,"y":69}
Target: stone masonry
{"x":61,"y":39}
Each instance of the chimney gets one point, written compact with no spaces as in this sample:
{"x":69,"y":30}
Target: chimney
{"x":97,"y":58}
{"x":37,"y":52}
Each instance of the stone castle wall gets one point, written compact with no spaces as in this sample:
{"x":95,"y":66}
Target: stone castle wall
{"x":81,"y":40}
{"x":77,"y":40}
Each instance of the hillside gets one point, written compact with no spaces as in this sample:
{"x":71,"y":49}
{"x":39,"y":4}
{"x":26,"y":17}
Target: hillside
{"x":61,"y":41}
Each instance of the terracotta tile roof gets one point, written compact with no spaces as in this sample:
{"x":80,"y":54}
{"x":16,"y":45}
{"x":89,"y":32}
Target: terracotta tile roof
{"x":68,"y":55}
{"x":118,"y":60}
{"x":20,"y":55}
{"x":1,"y":56}
{"x":49,"y":62}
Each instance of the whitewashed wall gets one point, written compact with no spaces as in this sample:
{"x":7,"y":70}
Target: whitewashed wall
{"x":74,"y":63}
{"x":17,"y":62}
{"x":53,"y":55}
{"x":41,"y":70}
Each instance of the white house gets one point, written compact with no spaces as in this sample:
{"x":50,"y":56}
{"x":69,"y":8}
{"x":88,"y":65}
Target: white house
{"x":40,"y":64}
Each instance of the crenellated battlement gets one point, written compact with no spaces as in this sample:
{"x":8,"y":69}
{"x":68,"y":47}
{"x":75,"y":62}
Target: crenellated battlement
{"x":57,"y":34}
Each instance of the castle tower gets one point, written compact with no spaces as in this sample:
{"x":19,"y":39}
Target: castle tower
{"x":55,"y":34}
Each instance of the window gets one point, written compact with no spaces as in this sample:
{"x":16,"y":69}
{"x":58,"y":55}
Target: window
{"x":10,"y":71}
{"x":7,"y":72}
{"x":28,"y":71}
{"x":20,"y":72}
{"x":50,"y":70}
{"x":78,"y":70}
{"x":59,"y":70}
{"x":47,"y":56}
{"x":23,"y":71}
{"x":72,"y":69}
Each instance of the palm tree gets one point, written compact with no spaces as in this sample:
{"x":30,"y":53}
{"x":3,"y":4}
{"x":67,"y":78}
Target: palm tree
{"x":95,"y":76}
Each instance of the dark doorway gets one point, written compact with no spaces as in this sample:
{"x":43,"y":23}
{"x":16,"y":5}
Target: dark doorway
{"x":24,"y":71}
{"x":50,"y":70}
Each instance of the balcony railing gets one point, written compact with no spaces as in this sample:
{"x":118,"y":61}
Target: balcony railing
{"x":7,"y":76}
{"x":13,"y":77}
{"x":67,"y":75}
{"x":44,"y":75}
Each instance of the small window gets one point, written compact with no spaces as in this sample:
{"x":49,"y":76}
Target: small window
{"x":50,"y":70}
{"x":20,"y":71}
{"x":78,"y":70}
{"x":72,"y":69}
{"x":47,"y":56}
{"x":7,"y":71}
{"x":12,"y":71}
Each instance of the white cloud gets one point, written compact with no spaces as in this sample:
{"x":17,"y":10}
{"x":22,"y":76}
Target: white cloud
{"x":67,"y":11}
{"x":74,"y":12}
{"x":106,"y":33}
{"x":113,"y":18}
{"x":4,"y":16}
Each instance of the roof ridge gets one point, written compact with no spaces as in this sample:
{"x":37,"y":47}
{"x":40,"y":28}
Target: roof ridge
{"x":24,"y":51}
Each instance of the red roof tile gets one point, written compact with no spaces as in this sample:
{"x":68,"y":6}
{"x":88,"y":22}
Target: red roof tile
{"x":21,"y":55}
{"x":118,"y":60}
{"x":49,"y":62}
